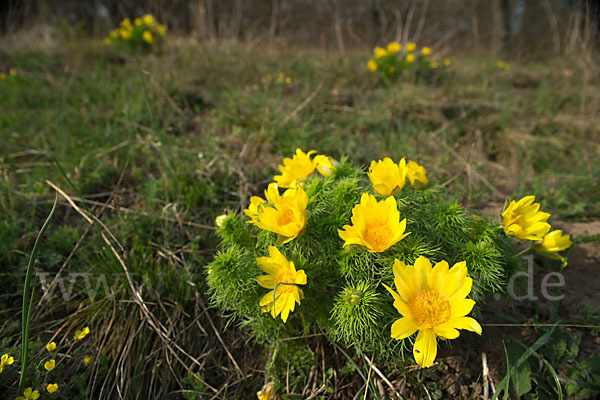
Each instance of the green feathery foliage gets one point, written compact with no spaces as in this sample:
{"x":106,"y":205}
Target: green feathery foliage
{"x":344,"y":296}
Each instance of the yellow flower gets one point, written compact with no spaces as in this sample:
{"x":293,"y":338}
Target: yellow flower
{"x":387,"y":177}
{"x":52,"y":387}
{"x":107,"y":41}
{"x":552,"y":243}
{"x":410,"y":58}
{"x":426,"y":51}
{"x":51,"y":346}
{"x":49,"y":365}
{"x":391,"y":69}
{"x":12,"y":72}
{"x":446,"y":62}
{"x":2,"y":75}
{"x":126,"y":23}
{"x":394,"y":47}
{"x":524,"y":220}
{"x":283,"y":278}
{"x":148,"y":19}
{"x":288,"y":80}
{"x":410,"y":47}
{"x":113,"y":34}
{"x":4,"y":361}
{"x":80,"y":334}
{"x":266,"y":393}
{"x":380,"y":52}
{"x":283,"y":214}
{"x":434,"y":64}
{"x":255,"y":207}
{"x":137,"y":21}
{"x":29,"y":394}
{"x":376,"y":226}
{"x":325,"y":165}
{"x":125,"y":34}
{"x":372,"y":65}
{"x":161,"y":29}
{"x":416,"y":174}
{"x":432,"y":301}
{"x":147,"y":36}
{"x":87,"y":360}
{"x":298,"y":167}
{"x":220,"y":220}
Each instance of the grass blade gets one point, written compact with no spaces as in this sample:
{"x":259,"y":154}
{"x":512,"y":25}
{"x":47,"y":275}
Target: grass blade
{"x":27,"y":300}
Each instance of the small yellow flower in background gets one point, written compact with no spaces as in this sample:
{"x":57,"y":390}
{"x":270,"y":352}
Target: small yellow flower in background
{"x":372,"y":65}
{"x":380,"y":52}
{"x":51,"y":346}
{"x":417,"y":174}
{"x":410,"y":47}
{"x":394,"y":47}
{"x":266,"y":393}
{"x":2,"y":75}
{"x":410,"y":58}
{"x":12,"y":72}
{"x":288,"y":80}
{"x":113,"y":34}
{"x":87,"y":360}
{"x":283,"y":278}
{"x":148,"y":19}
{"x":147,"y":36}
{"x":503,"y":66}
{"x":434,"y":64}
{"x":107,"y":41}
{"x":80,"y":334}
{"x":376,"y":226}
{"x":125,"y":34}
{"x":388,"y":177}
{"x":446,"y":62}
{"x":49,"y":365}
{"x":126,"y":23}
{"x":52,"y":387}
{"x":524,"y":220}
{"x":432,"y":301}
{"x":161,"y":29}
{"x":298,"y":167}
{"x":5,"y":360}
{"x":137,"y":21}
{"x":29,"y":394}
{"x":284,"y":214}
{"x":426,"y":51}
{"x":325,"y":165}
{"x":552,"y":243}
{"x":392,"y":69}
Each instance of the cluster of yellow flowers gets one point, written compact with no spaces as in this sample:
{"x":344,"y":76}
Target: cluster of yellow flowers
{"x":392,"y":60}
{"x":11,"y":74}
{"x":31,"y":394}
{"x":144,"y":32}
{"x":523,"y":220}
{"x":431,"y":300}
{"x":281,"y":78}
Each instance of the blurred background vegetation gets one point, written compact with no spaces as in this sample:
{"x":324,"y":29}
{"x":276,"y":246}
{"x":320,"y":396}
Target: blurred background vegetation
{"x":521,"y":28}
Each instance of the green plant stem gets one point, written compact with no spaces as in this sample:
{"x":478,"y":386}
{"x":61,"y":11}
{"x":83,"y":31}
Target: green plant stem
{"x":28,"y":300}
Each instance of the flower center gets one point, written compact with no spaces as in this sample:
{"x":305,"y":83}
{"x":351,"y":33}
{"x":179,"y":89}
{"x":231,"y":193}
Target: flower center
{"x":284,"y":278}
{"x":377,"y":236}
{"x":285,"y":218}
{"x":429,"y":308}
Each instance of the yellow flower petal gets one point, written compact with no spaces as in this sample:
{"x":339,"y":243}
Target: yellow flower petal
{"x":404,"y":327}
{"x":425,"y":349}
